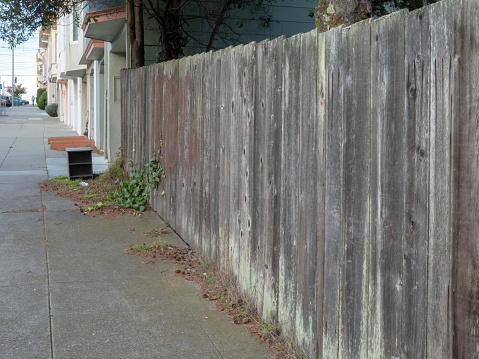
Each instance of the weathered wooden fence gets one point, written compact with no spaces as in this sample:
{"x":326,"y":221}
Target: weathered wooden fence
{"x":335,"y":175}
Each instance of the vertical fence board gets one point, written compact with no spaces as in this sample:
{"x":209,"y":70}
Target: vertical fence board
{"x":246,"y":73}
{"x":289,"y":186}
{"x":171,"y":136}
{"x":273,"y":122}
{"x":465,"y":182}
{"x":439,"y":279}
{"x":388,"y":155}
{"x":198,"y":78}
{"x":235,"y":174}
{"x":224,"y":159}
{"x":416,"y":172}
{"x":214,"y":148}
{"x":208,"y":112}
{"x":163,"y":205}
{"x":355,"y":186}
{"x":261,"y":195}
{"x":333,"y":163}
{"x":310,"y":224}
{"x":316,"y":346}
{"x":181,"y":145}
{"x":126,"y":114}
{"x":190,"y":148}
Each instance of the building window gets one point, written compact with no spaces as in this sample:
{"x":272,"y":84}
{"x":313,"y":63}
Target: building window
{"x":75,"y":24}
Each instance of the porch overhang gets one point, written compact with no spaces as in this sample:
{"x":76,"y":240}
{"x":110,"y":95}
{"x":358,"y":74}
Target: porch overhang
{"x":104,"y":24}
{"x":73,"y":73}
{"x":94,"y":51}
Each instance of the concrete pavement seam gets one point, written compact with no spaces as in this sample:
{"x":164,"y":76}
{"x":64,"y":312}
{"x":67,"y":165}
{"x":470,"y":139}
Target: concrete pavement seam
{"x":45,"y":245}
{"x":10,"y":148}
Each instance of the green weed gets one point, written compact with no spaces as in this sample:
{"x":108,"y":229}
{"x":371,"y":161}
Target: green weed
{"x":135,"y":193}
{"x":115,"y":170}
{"x":66,"y":182}
{"x":90,"y":196}
{"x":269,"y":326}
{"x":149,"y":247}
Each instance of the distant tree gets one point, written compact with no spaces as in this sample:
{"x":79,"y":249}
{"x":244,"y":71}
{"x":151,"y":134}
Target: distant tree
{"x":333,"y":13}
{"x":18,"y":92}
{"x":173,"y":19}
{"x":382,"y":7}
{"x":19,"y":19}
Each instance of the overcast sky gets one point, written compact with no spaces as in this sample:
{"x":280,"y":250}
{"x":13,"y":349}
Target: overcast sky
{"x":25,"y":65}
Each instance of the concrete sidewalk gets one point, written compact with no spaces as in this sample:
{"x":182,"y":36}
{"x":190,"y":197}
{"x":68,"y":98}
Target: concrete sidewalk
{"x":68,"y":290}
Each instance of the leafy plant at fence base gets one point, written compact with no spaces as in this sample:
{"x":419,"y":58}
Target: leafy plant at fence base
{"x":95,"y":206}
{"x":135,"y":192}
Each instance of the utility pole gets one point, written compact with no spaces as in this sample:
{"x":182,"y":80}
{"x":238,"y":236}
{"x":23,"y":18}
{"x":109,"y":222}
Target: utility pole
{"x":13,"y":73}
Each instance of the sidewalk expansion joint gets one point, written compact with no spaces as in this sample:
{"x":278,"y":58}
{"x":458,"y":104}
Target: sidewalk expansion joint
{"x":45,"y":242}
{"x":31,"y":210}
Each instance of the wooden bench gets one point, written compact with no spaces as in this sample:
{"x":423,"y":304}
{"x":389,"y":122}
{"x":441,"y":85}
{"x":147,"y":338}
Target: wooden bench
{"x":69,"y":142}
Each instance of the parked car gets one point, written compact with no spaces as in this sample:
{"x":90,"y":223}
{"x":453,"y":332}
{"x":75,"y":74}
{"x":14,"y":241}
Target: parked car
{"x":6,"y":101}
{"x":18,"y":101}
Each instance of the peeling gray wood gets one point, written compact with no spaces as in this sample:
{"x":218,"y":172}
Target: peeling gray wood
{"x":354,"y":235}
{"x":289,"y":193}
{"x":309,"y":200}
{"x":261,"y":195}
{"x":465,"y":182}
{"x":387,"y":210}
{"x":273,"y":122}
{"x":416,"y":174}
{"x":440,"y":241}
{"x":332,"y":212}
{"x":246,"y":74}
{"x":225,"y":96}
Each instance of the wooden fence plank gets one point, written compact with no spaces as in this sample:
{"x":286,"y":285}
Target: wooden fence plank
{"x":316,"y":346}
{"x":355,"y":238}
{"x":415,"y":246}
{"x":333,"y":164}
{"x":247,"y":72}
{"x":289,"y":193}
{"x":161,"y":203}
{"x":191,"y":150}
{"x":439,"y":266}
{"x":235,"y":158}
{"x":181,"y":144}
{"x":465,"y":182}
{"x":388,"y":154}
{"x":261,"y":196}
{"x":208,"y":112}
{"x":272,"y":164}
{"x":225,"y":98}
{"x":309,"y":162}
{"x":214,"y":148}
{"x":197,"y":200}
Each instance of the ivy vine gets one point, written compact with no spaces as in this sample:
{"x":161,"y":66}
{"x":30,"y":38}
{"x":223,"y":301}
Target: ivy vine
{"x":135,"y":192}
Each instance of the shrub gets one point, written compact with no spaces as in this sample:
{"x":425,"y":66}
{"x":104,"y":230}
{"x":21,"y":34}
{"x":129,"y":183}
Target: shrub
{"x":52,"y":110}
{"x":42,"y":101}
{"x":39,"y":93}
